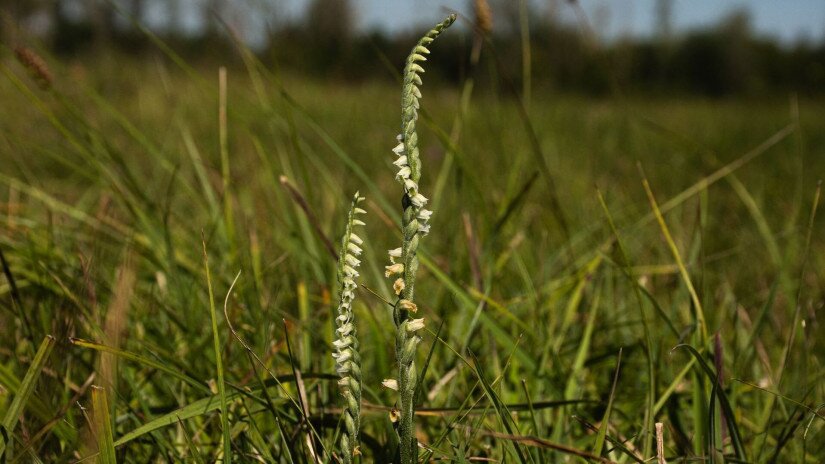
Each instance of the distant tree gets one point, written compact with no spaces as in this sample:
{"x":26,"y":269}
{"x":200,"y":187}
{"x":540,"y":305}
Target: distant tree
{"x":718,"y":61}
{"x":173,"y":15}
{"x":136,"y":8}
{"x":664,"y":19}
{"x":214,"y":9}
{"x":13,"y":16}
{"x":331,"y":21}
{"x":507,"y":15}
{"x":329,"y":30}
{"x":78,"y":23}
{"x":7,"y":20}
{"x":737,"y":41}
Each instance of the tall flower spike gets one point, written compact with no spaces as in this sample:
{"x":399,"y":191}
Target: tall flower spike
{"x":347,"y":359}
{"x":414,"y":225}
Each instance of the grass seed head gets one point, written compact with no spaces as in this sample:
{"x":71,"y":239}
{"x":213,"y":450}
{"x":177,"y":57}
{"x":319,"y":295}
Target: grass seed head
{"x":35,"y":65}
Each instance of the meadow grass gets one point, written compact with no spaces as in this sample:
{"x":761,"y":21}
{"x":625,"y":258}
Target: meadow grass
{"x":646,"y":261}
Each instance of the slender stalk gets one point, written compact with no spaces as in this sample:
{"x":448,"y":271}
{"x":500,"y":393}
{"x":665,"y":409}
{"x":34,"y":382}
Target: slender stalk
{"x":225,"y":173}
{"x":414,"y":225}
{"x":227,"y":443}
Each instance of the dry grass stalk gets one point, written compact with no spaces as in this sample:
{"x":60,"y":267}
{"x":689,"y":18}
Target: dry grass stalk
{"x":484,"y":16}
{"x":660,"y":443}
{"x":115,"y":322}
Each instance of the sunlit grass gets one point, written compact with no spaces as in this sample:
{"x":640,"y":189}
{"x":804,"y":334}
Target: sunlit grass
{"x":123,"y":160}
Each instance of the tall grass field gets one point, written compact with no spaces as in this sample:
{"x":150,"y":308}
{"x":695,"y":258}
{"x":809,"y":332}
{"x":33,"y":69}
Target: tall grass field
{"x":190,"y":276}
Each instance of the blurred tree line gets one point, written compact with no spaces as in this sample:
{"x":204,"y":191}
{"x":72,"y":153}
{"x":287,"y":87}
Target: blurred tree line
{"x":728,"y":58}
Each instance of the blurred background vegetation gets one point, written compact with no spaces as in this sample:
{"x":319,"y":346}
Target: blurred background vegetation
{"x":728,"y":57}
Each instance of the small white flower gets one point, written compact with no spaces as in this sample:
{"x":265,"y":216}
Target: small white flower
{"x":398,"y":286}
{"x":414,"y":67}
{"x":392,"y":384}
{"x":352,"y":260}
{"x":342,"y":357}
{"x":354,"y":249}
{"x":396,"y":268}
{"x":403,"y":173}
{"x":356,"y":239}
{"x":358,"y":222}
{"x":401,"y":161}
{"x":417,"y":57}
{"x":418,"y":200}
{"x":350,"y":272}
{"x":414,"y":325}
{"x":399,"y":149}
{"x":422,"y":50}
{"x":395,"y":253}
{"x":410,"y":184}
{"x":416,"y":92}
{"x":345,"y":329}
{"x":360,"y":211}
{"x":425,"y":214}
{"x":344,"y":369}
{"x":424,"y":229}
{"x":408,"y":305}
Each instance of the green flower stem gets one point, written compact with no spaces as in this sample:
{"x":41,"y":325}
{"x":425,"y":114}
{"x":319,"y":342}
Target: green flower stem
{"x":414,"y":225}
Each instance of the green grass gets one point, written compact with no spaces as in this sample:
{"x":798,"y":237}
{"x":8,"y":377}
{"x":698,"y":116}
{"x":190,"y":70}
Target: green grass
{"x":124,"y":165}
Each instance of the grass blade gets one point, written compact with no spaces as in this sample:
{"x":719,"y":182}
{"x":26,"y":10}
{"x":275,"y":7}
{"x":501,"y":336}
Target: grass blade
{"x":426,"y":366}
{"x":174,"y":372}
{"x":18,"y":404}
{"x":193,"y":450}
{"x":103,"y":427}
{"x":193,"y":409}
{"x":600,"y":438}
{"x":227,"y":445}
{"x":730,"y":419}
{"x":698,"y":313}
{"x":500,"y":407}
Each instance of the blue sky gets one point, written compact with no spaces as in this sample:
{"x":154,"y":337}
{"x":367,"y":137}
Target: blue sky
{"x":788,"y":20}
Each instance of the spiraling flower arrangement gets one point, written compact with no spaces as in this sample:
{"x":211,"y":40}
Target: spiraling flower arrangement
{"x":403,"y":264}
{"x":347,"y":358}
{"x":414,"y":224}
